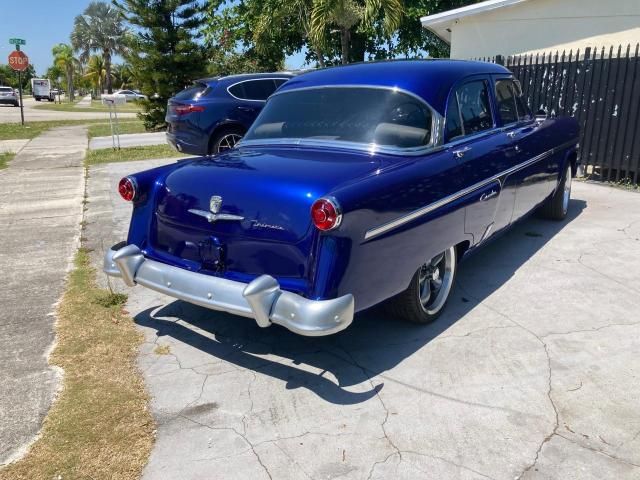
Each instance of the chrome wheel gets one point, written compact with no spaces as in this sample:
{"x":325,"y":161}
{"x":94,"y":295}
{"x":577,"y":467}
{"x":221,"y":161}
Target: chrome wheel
{"x":228,"y":141}
{"x":566,"y":196}
{"x":435,"y":281}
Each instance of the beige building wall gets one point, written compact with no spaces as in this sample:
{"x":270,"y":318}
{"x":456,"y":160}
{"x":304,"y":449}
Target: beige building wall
{"x":542,"y":25}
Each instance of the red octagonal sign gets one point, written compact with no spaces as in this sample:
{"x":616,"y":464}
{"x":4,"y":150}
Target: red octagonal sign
{"x":18,"y":61}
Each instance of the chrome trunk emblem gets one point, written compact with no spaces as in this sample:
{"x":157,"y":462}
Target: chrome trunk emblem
{"x":215,"y":203}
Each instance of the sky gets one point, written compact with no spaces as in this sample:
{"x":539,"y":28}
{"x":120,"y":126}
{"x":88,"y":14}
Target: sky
{"x":45,"y":23}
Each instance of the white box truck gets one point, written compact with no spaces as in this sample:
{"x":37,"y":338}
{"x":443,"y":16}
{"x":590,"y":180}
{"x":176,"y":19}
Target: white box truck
{"x":41,"y":89}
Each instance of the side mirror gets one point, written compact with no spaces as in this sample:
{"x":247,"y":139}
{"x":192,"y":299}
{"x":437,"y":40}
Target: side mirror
{"x":541,"y":116}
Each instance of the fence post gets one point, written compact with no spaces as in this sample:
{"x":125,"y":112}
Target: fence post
{"x":499,"y":59}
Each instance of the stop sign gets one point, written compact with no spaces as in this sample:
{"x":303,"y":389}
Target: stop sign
{"x":18,"y":61}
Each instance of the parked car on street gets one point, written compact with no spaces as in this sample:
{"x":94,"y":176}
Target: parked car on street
{"x":41,"y":88}
{"x":213,"y":114}
{"x":8,"y":96}
{"x":131,"y":95}
{"x":356,"y":185}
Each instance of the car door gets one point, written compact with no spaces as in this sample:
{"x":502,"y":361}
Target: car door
{"x":472,"y":137}
{"x":532,"y":180}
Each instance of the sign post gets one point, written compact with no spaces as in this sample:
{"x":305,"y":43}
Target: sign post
{"x":19,"y":62}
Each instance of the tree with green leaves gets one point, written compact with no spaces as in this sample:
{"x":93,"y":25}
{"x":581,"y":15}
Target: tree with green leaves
{"x":164,"y":51}
{"x":101,"y":29}
{"x":9,"y":77}
{"x":96,"y":73}
{"x":356,"y":29}
{"x":122,"y":76}
{"x":349,"y":15}
{"x":63,"y":59}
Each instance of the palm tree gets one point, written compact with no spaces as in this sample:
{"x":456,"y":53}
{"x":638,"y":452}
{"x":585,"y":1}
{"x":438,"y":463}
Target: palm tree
{"x":63,"y":59}
{"x":99,"y":29}
{"x":96,"y":72}
{"x":122,"y":76}
{"x":347,"y":14}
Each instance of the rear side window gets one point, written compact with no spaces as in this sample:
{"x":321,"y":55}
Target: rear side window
{"x":472,"y":102}
{"x":511,"y":104}
{"x":193,"y":93}
{"x":506,"y":98}
{"x":254,"y":89}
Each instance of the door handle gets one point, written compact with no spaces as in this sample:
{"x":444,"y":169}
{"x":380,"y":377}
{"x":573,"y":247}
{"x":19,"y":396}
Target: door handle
{"x":512,"y":134}
{"x":462,"y":152}
{"x":246,"y":109}
{"x":486,"y":196}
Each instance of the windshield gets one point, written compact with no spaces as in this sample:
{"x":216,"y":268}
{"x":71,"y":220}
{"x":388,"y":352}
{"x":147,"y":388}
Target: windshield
{"x":345,"y":114}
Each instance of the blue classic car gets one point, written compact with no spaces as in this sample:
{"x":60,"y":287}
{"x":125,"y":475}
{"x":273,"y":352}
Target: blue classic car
{"x":356,"y":185}
{"x":213,"y":114}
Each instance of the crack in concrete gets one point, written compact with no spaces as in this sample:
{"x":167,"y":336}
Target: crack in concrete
{"x":251,"y":446}
{"x":549,"y":378}
{"x":384,"y":407}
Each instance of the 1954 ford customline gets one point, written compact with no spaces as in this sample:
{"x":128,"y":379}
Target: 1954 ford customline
{"x":355,"y":185}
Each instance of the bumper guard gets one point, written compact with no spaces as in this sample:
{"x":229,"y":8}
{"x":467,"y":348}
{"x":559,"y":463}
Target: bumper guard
{"x":261,"y":299}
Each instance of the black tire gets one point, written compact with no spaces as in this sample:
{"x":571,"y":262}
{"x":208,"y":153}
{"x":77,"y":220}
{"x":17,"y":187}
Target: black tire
{"x":223,"y":139}
{"x":557,"y":205}
{"x":37,"y":99}
{"x":408,"y":305}
{"x":16,"y":104}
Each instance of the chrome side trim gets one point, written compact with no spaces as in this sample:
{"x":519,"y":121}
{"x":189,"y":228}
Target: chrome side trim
{"x":377,"y":231}
{"x":262,"y":299}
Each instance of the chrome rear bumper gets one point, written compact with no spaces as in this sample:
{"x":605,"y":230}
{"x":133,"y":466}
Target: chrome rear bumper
{"x":261,"y":299}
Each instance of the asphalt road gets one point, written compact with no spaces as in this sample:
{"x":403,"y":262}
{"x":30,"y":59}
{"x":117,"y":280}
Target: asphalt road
{"x":41,"y":195}
{"x":531,"y":372}
{"x":129,"y":140}
{"x":10,"y":114}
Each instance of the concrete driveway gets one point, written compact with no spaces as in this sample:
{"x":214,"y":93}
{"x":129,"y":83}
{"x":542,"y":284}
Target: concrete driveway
{"x":532,"y":371}
{"x":10,"y":114}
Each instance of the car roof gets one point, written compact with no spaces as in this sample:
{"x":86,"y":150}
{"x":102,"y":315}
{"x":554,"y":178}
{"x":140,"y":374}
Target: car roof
{"x":429,"y":79}
{"x":229,"y":79}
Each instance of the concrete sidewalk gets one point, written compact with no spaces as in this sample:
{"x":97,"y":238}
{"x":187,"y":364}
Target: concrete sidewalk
{"x":41,"y":196}
{"x":129,"y":140}
{"x":85,"y":102}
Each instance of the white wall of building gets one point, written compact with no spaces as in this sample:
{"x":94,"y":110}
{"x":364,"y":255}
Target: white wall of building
{"x":543,"y":25}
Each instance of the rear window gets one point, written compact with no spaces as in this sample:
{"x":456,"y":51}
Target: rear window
{"x":360,"y":115}
{"x":194,"y":92}
{"x":6,"y":89}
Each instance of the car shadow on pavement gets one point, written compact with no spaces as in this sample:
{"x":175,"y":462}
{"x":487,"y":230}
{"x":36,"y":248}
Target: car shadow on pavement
{"x":303,"y":362}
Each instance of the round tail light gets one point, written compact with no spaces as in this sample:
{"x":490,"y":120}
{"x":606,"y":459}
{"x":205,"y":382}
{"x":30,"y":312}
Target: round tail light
{"x":326,"y":214}
{"x":127,"y":188}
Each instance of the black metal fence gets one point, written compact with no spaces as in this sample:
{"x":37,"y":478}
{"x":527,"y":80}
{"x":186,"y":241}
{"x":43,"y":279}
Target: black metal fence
{"x":601,"y":89}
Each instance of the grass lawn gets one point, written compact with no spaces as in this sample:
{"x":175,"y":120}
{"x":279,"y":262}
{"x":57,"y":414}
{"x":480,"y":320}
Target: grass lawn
{"x":96,"y":106}
{"x":100,"y":425}
{"x":103,"y":129}
{"x":5,"y":158}
{"x":11,"y":131}
{"x":128,"y":154}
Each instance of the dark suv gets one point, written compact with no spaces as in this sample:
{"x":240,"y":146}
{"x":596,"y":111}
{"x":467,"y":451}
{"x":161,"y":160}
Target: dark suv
{"x":214,"y":113}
